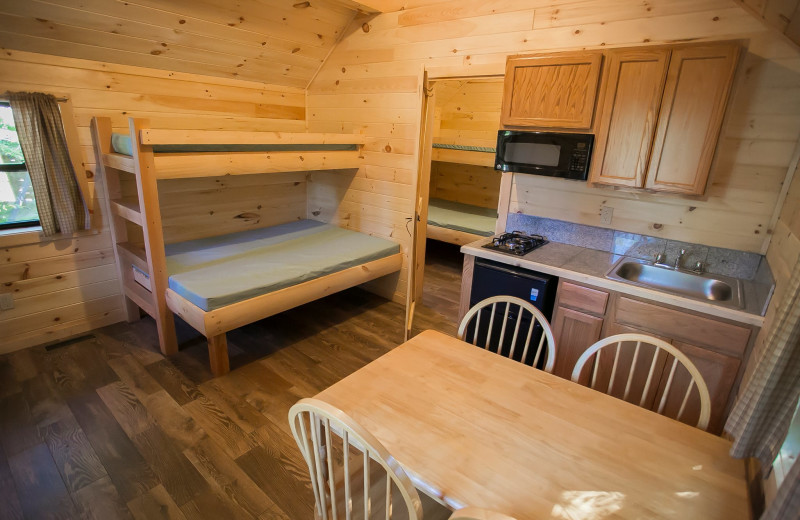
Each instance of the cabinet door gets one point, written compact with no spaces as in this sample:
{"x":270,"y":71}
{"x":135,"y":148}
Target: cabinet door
{"x":634,"y":86}
{"x":551,"y":91}
{"x":719,"y":373}
{"x":696,"y":92}
{"x":574,"y":332}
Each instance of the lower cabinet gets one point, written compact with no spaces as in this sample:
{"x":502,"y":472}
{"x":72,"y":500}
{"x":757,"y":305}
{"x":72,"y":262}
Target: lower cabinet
{"x":573,"y":332}
{"x":717,"y":348}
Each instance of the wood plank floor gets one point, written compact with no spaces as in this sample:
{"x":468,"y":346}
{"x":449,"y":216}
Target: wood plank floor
{"x":442,"y":280}
{"x":105,"y":427}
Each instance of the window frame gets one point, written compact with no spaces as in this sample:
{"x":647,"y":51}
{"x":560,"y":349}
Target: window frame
{"x":6,"y":167}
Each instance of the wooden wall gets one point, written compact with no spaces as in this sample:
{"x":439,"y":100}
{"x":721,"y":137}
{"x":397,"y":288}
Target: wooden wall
{"x":465,"y":183}
{"x":467,"y":113}
{"x":210,"y":206}
{"x":67,"y":287}
{"x":782,"y":255}
{"x":372,"y":83}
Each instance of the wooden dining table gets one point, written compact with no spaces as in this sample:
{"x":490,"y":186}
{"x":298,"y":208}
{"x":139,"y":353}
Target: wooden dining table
{"x":472,"y":428}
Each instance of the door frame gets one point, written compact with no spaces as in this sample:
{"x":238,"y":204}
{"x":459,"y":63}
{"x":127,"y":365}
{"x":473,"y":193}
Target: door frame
{"x":422,"y":191}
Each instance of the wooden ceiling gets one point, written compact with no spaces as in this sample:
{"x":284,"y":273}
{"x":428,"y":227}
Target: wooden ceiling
{"x":781,"y":15}
{"x":281,"y":42}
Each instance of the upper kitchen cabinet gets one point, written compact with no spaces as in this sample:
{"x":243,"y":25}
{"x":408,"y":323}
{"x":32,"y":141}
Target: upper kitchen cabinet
{"x":551,"y":90}
{"x":661,"y":116}
{"x":634,"y":88}
{"x":696,"y":92}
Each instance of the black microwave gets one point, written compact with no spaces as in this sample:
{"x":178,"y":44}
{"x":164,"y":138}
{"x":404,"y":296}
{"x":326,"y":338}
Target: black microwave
{"x":554,"y":154}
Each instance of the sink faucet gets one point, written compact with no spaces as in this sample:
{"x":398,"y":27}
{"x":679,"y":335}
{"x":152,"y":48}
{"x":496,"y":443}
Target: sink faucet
{"x":678,"y":260}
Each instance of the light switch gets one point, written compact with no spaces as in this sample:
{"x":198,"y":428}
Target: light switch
{"x":6,"y":301}
{"x":606,"y":212}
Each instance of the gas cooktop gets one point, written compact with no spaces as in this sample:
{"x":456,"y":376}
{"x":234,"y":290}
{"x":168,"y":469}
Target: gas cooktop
{"x":516,"y":243}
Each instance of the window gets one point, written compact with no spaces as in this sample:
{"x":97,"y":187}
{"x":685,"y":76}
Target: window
{"x":789,"y":450}
{"x":17,"y":203}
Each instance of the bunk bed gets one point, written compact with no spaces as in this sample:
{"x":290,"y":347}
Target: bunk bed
{"x":463,"y":154}
{"x":458,"y":222}
{"x":219,"y":283}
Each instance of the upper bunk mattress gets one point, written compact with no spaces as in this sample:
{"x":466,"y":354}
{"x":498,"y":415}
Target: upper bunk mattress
{"x":462,"y":217}
{"x":121,"y":143}
{"x":217,"y":271}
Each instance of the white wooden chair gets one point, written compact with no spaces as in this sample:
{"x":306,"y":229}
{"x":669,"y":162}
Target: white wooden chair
{"x":655,"y":383}
{"x":352,"y":474}
{"x":476,"y":513}
{"x":546,"y":345}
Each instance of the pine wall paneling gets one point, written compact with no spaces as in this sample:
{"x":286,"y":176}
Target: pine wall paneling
{"x":367,"y":85}
{"x":69,"y":286}
{"x":782,"y":255}
{"x":467,"y":113}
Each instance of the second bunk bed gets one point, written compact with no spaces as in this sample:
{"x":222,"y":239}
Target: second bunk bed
{"x":464,"y":189}
{"x":217,"y":282}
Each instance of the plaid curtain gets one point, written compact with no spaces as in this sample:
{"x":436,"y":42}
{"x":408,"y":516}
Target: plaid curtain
{"x":762,"y":415}
{"x":41,"y":135}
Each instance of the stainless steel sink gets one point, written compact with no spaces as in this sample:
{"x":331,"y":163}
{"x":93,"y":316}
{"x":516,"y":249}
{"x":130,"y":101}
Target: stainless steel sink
{"x":720,"y":289}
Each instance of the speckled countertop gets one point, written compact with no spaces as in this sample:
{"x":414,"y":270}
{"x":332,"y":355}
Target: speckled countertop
{"x":590,"y":266}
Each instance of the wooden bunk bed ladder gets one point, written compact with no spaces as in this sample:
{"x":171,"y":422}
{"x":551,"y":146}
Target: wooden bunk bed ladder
{"x":141,"y":267}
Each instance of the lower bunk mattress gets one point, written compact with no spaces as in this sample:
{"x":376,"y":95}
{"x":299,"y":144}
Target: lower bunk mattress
{"x":218,"y":271}
{"x":462,"y":217}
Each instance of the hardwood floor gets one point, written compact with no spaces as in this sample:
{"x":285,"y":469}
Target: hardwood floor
{"x":442,"y":280}
{"x":105,"y":427}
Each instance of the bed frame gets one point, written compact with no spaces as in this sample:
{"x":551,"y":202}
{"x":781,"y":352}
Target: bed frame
{"x":142,"y":267}
{"x":454,"y":153}
{"x":451,"y":236}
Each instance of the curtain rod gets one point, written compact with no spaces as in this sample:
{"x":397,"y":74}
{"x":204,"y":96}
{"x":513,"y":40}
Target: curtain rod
{"x":4,"y":97}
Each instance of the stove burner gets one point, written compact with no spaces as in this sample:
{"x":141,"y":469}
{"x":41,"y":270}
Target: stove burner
{"x":516,"y":242}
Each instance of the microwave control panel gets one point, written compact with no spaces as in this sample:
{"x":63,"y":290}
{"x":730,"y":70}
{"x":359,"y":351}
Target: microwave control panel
{"x":579,"y":158}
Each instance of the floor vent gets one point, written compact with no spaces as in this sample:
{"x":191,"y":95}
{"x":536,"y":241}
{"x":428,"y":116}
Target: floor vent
{"x":70,"y":341}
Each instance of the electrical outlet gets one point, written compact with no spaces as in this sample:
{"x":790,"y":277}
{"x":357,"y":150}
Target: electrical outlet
{"x":606,"y":212}
{"x":6,"y":301}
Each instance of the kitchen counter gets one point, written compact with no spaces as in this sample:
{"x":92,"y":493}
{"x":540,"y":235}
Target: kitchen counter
{"x":589,"y":266}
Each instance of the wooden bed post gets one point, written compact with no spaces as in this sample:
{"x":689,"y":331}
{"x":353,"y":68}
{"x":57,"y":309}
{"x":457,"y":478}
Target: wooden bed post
{"x":147,"y":188}
{"x":218,"y":355}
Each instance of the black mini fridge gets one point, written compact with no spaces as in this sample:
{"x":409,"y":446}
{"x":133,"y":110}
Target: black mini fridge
{"x":493,"y":279}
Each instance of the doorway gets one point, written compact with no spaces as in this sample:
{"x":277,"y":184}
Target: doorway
{"x":458,"y":188}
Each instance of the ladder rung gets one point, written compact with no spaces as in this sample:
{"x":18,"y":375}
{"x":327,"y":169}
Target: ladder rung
{"x":140,"y":296}
{"x":127,"y":209}
{"x":119,"y":162}
{"x":135,"y":254}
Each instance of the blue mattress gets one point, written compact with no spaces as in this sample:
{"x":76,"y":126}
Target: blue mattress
{"x":214,"y":272}
{"x":462,"y":217}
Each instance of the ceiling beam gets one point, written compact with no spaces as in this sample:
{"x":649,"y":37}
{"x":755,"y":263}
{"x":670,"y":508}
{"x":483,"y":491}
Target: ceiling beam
{"x":780,"y":16}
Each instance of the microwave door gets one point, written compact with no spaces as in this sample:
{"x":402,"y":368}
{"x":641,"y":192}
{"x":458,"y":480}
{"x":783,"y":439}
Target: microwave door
{"x":532,"y":154}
